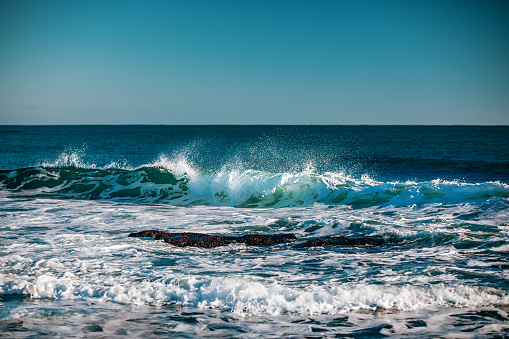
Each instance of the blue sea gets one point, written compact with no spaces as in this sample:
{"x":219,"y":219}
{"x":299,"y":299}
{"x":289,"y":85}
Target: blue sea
{"x":437,"y":195}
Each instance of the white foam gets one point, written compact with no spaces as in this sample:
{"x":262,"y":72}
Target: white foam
{"x":70,"y":158}
{"x":246,"y":296}
{"x":179,"y":166}
{"x":503,"y":248}
{"x":78,"y":250}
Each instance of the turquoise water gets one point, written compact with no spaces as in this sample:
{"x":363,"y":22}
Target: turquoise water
{"x":70,"y":195}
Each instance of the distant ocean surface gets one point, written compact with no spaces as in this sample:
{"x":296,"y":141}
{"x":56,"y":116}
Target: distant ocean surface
{"x":438,"y":195}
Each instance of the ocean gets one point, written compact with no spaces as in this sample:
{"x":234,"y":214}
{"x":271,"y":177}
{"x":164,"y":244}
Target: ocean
{"x":438,"y":196}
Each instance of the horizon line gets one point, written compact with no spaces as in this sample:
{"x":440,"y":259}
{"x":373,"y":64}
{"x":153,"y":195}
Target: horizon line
{"x":321,"y":125}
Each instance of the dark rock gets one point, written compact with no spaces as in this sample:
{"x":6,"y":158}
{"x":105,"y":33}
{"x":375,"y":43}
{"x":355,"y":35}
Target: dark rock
{"x":194,"y":239}
{"x":209,"y":241}
{"x":146,"y":234}
{"x":339,"y":240}
{"x":164,"y":235}
{"x":264,"y":239}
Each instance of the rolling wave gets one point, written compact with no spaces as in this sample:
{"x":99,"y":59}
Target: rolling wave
{"x":176,"y":182}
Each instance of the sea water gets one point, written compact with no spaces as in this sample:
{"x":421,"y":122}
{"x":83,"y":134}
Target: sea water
{"x":70,"y":195}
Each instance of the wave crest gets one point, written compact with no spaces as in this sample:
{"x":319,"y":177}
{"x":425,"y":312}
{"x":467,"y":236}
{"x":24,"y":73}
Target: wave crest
{"x":176,"y":181}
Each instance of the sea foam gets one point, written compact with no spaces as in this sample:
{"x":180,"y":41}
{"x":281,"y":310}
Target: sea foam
{"x":250,"y":297}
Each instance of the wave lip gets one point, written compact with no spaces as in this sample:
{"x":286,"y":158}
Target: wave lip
{"x":176,"y":182}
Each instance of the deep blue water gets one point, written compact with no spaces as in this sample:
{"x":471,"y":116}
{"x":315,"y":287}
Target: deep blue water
{"x":438,"y":195}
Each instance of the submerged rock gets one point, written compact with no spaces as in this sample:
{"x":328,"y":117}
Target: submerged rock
{"x":203,"y":240}
{"x":340,"y":240}
{"x":194,"y":239}
{"x":264,"y":239}
{"x":146,"y":234}
{"x":209,"y":241}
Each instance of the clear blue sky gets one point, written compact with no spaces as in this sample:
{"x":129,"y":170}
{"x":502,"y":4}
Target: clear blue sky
{"x":254,"y":62}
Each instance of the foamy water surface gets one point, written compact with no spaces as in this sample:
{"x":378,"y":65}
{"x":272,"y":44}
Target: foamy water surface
{"x":67,"y":267}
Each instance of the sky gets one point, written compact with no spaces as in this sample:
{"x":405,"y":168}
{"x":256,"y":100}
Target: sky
{"x":317,"y":62}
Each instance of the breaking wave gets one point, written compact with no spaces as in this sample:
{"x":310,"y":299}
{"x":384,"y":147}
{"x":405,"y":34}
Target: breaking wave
{"x":177,"y":182}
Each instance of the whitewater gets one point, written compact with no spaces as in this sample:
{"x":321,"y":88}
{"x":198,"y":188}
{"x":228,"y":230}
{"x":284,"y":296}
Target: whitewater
{"x":438,"y":196}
